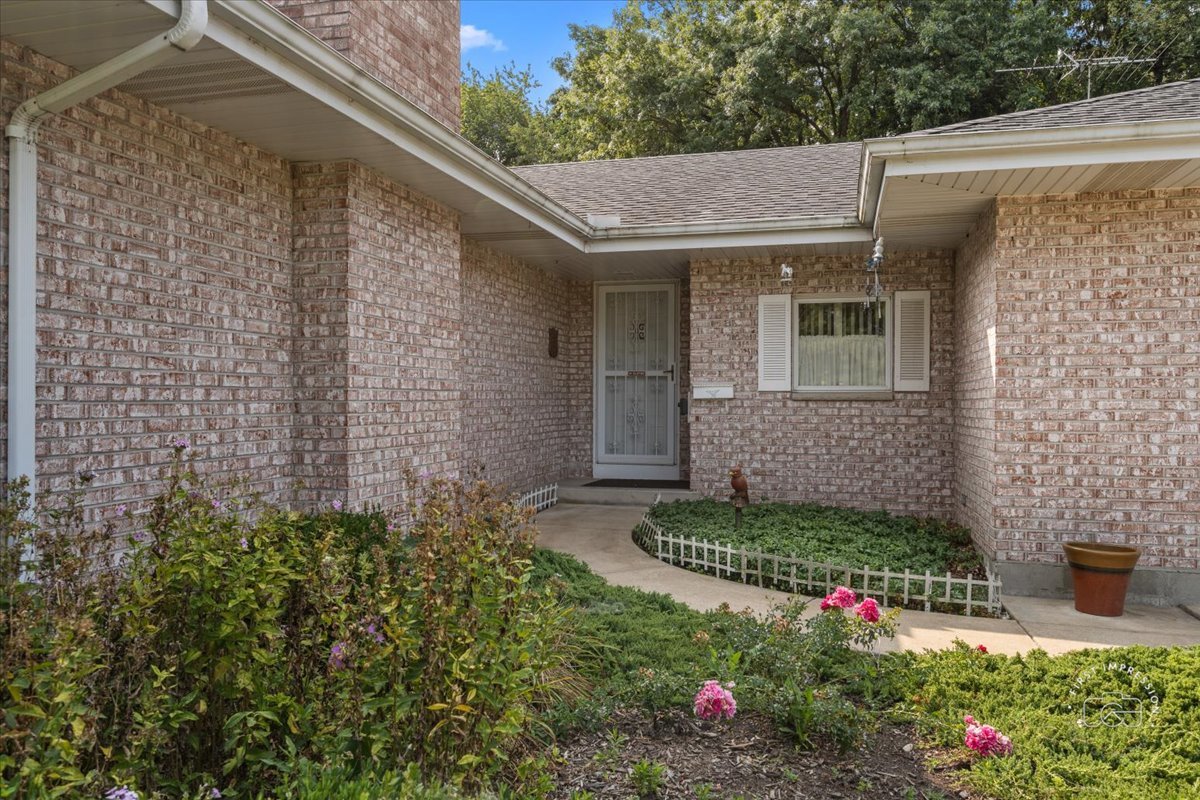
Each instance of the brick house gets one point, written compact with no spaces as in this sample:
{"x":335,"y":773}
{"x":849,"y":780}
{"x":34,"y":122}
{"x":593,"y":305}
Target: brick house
{"x":267,"y":235}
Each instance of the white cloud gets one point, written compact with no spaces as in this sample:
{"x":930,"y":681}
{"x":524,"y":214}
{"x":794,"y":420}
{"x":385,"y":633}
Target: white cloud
{"x":471,"y":38}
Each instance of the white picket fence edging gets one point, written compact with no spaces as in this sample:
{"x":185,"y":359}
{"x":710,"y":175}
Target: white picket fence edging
{"x":540,"y":498}
{"x":799,"y":576}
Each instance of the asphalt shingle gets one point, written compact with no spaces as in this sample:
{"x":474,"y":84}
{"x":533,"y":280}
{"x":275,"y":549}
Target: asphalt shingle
{"x":774,"y":183}
{"x":1180,"y":100}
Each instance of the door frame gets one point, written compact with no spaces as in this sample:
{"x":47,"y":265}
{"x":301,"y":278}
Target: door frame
{"x":664,"y":472}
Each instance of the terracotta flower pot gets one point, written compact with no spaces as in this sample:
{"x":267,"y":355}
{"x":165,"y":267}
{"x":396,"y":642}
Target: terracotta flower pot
{"x":1101,"y":576}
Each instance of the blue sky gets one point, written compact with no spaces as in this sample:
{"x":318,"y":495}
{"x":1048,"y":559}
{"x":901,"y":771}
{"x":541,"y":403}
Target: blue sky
{"x":528,"y":32}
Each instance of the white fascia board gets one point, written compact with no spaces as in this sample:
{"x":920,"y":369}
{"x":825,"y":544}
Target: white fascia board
{"x":262,"y":36}
{"x":1036,"y":148}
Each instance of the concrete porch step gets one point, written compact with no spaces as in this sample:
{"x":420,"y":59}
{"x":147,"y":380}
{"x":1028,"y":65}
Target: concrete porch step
{"x":573,"y":490}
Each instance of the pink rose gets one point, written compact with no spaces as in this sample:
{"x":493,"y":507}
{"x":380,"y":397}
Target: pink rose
{"x":867,"y":610}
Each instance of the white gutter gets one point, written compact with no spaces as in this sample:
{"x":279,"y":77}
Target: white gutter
{"x":22,"y":130}
{"x":1036,"y":147}
{"x":715,"y":234}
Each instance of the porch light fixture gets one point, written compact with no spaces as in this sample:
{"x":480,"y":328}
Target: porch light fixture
{"x":874,"y":287}
{"x":785,"y":276}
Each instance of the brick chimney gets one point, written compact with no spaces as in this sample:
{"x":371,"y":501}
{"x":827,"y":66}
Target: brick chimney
{"x":410,"y":45}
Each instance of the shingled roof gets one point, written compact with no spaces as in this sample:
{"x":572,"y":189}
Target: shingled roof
{"x":1179,"y":100}
{"x":774,"y":183}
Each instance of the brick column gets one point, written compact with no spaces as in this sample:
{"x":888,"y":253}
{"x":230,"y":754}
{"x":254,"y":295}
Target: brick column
{"x":378,"y":346}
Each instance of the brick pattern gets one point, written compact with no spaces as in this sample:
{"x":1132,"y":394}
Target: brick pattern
{"x":975,"y":383}
{"x":1098,"y":375}
{"x":405,"y":326}
{"x":895,"y":454}
{"x":582,"y":307}
{"x":320,"y":349}
{"x":517,"y":399}
{"x":410,"y":45}
{"x":164,"y":293}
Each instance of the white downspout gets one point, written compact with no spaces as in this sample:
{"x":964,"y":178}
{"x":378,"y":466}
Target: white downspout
{"x":22,"y":216}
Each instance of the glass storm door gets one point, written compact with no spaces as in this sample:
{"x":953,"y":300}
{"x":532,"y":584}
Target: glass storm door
{"x":636,"y":389}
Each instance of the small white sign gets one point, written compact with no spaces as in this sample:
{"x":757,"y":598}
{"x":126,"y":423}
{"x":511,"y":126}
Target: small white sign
{"x":718,"y":392}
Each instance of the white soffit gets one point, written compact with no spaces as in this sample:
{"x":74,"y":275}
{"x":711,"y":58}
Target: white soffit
{"x":927,"y":189}
{"x":921,"y":205}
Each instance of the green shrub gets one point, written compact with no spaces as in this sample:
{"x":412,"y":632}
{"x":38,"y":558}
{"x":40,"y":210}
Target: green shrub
{"x":237,"y":638}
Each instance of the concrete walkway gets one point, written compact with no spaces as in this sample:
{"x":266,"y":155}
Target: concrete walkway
{"x":600,"y":536}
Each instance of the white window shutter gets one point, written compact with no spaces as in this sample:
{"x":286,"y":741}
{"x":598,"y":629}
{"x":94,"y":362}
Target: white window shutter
{"x":774,"y":342}
{"x":911,"y":363}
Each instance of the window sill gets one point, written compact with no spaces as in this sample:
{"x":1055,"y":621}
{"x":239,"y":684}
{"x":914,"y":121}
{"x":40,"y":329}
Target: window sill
{"x":880,"y":394}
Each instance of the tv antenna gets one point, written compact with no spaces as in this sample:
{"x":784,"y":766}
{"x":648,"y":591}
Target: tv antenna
{"x":1072,"y":64}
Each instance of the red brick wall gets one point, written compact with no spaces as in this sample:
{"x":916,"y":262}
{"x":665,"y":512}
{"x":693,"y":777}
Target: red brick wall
{"x":975,"y":382}
{"x":1098,"y":377}
{"x":895,"y":454}
{"x":410,"y":45}
{"x":517,"y":399}
{"x":164,"y":293}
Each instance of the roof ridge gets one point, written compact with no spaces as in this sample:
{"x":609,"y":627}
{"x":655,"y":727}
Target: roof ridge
{"x":1012,"y":114}
{"x":857,"y":142}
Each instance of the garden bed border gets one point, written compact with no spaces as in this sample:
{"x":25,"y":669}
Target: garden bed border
{"x":541,"y":498}
{"x":791,"y":574}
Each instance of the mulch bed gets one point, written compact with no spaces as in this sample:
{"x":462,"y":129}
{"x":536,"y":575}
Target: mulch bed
{"x":743,"y":758}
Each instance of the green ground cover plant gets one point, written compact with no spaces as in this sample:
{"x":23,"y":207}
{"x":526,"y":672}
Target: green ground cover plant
{"x":238,"y":640}
{"x":644,"y":649}
{"x":1060,"y":746}
{"x":640,"y":649}
{"x":841,"y":536}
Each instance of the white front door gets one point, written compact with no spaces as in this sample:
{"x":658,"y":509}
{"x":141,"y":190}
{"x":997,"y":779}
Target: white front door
{"x":636,"y":387}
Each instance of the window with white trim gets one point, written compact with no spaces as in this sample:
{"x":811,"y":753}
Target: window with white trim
{"x":841,"y":345}
{"x":831,"y":344}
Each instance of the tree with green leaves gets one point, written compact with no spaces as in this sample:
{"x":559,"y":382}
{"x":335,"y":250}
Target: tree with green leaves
{"x":499,"y":118}
{"x":682,"y":76}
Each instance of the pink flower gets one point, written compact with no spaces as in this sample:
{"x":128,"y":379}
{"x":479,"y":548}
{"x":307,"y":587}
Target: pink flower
{"x":121,"y":509}
{"x":867,"y":610}
{"x":981,"y":649}
{"x":714,"y":701}
{"x":181,"y":443}
{"x":985,"y":740}
{"x":842,"y":597}
{"x":337,"y":505}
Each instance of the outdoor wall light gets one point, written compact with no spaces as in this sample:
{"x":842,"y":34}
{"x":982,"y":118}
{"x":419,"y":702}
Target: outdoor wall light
{"x":785,"y":276}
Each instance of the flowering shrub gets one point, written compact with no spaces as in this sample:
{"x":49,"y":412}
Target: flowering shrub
{"x":237,"y":637}
{"x":714,"y":701}
{"x":985,"y":740}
